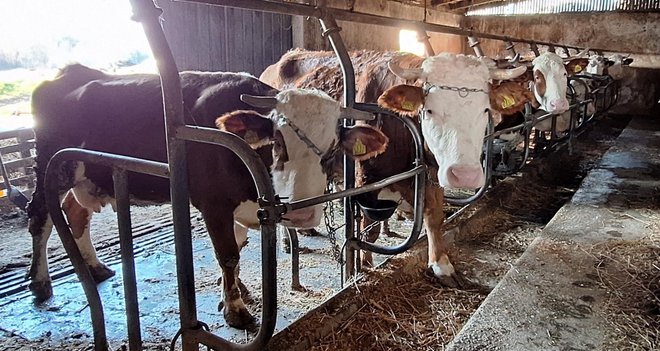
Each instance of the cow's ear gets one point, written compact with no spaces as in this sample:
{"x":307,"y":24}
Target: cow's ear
{"x":404,"y":99}
{"x":609,"y":63}
{"x":627,"y":61}
{"x":508,"y":98}
{"x":362,"y":142}
{"x":255,"y":129}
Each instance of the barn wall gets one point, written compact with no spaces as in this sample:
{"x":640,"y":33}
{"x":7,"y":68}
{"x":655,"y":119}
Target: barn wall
{"x":618,"y":32}
{"x":213,"y":38}
{"x":356,"y":36}
{"x":622,"y":32}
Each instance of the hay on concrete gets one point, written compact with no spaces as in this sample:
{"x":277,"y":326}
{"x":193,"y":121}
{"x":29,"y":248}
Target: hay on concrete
{"x":411,"y":313}
{"x":630,"y":271}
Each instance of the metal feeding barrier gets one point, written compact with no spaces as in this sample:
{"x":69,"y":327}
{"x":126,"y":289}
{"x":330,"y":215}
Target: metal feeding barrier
{"x":194,"y":332}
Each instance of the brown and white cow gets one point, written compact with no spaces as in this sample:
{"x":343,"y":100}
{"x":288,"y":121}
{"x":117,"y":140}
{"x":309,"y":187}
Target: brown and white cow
{"x":123,"y":114}
{"x":453,"y":123}
{"x":547,"y":78}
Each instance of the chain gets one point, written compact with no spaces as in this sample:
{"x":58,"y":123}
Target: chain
{"x":329,"y":219}
{"x":302,"y":136}
{"x":462,"y":91}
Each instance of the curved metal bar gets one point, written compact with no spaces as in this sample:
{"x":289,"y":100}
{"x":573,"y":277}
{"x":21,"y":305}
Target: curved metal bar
{"x":295,"y":259}
{"x":331,"y":31}
{"x":53,"y":191}
{"x":269,"y":215}
{"x":146,"y":12}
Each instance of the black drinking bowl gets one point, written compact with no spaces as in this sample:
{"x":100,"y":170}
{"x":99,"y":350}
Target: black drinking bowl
{"x":377,"y":210}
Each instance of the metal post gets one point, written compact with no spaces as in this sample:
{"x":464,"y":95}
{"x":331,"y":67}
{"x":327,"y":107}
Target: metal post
{"x":474,"y":44}
{"x":331,"y":31}
{"x":148,"y":14}
{"x":423,"y":38}
{"x":510,"y":46}
{"x":120,"y":179}
{"x":551,"y":48}
{"x":294,"y":245}
{"x":53,"y":172}
{"x":535,"y":49}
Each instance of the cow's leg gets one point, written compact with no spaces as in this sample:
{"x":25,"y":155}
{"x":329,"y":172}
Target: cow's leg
{"x":434,"y":218}
{"x":40,"y":226}
{"x":79,"y":219}
{"x":226,"y":243}
{"x":371,"y":236}
{"x":385,"y":230}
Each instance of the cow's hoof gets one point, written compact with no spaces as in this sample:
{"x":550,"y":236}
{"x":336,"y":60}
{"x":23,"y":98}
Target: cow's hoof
{"x":101,"y":272}
{"x":309,"y":232}
{"x":241,"y":319}
{"x":454,"y":280}
{"x":42,"y":291}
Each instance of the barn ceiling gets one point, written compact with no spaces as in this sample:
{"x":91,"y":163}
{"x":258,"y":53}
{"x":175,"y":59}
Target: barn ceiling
{"x":536,"y":6}
{"x":459,"y":6}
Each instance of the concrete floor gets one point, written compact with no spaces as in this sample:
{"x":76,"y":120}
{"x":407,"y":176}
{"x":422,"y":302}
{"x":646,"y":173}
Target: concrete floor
{"x":554,"y":297}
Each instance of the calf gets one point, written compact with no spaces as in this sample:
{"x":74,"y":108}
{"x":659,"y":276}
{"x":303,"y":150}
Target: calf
{"x":294,"y":133}
{"x":453,"y":124}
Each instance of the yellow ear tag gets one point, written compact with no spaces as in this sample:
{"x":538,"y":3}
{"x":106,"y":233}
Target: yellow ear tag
{"x":359,"y":148}
{"x":577,"y":69}
{"x":508,"y":101}
{"x":251,"y":137}
{"x":407,"y":105}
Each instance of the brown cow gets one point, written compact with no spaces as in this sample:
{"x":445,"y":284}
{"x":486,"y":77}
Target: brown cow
{"x":123,"y":114}
{"x":453,"y":124}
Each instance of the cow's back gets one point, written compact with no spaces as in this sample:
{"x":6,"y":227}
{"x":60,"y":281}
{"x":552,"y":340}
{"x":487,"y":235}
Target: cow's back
{"x":321,"y":70}
{"x":123,"y":114}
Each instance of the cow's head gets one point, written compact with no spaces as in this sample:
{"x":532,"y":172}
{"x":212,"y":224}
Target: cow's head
{"x":302,"y":128}
{"x":617,"y":61}
{"x":550,"y":83}
{"x":598,"y":64}
{"x":454,"y":104}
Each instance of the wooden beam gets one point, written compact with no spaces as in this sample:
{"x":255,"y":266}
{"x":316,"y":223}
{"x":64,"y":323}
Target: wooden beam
{"x":463,"y":4}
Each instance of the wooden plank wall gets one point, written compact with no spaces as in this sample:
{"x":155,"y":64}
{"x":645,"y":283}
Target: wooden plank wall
{"x":214,"y":38}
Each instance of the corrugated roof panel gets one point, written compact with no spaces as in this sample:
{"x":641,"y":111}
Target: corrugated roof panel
{"x":522,"y":7}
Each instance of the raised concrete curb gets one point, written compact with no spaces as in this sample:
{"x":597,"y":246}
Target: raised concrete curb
{"x":551,"y":299}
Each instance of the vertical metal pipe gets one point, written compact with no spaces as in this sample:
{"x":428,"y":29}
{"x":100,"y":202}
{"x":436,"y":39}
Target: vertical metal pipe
{"x":331,"y":30}
{"x":423,"y":38}
{"x":475,"y":45}
{"x":120,"y":179}
{"x":511,"y":48}
{"x":535,"y":49}
{"x":295,"y":258}
{"x":148,"y":14}
{"x":89,"y":285}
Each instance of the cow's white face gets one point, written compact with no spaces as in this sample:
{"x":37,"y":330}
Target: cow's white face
{"x":550,"y":83}
{"x":453,"y":123}
{"x":454,"y":126}
{"x":300,"y":175}
{"x":302,"y":128}
{"x":617,"y":61}
{"x":596,"y":64}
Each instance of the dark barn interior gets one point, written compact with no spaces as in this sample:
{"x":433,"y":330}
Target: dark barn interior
{"x":551,"y":243}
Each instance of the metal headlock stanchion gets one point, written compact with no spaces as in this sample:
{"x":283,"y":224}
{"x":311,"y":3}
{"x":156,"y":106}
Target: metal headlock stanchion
{"x":193,"y":332}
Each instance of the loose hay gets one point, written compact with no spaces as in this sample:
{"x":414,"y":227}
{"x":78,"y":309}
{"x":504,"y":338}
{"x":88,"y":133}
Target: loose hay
{"x":630,"y":271}
{"x":410,"y":314}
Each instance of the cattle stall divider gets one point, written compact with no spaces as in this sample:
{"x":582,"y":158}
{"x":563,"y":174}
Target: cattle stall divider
{"x":193,"y":332}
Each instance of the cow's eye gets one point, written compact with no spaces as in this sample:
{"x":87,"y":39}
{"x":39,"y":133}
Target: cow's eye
{"x":430,"y":112}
